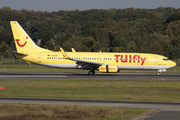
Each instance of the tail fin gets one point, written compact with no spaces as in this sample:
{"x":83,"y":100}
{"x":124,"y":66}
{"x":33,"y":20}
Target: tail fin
{"x":22,"y":40}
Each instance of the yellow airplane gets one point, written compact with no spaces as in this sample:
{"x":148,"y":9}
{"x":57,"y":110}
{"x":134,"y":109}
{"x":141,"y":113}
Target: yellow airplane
{"x":28,"y":51}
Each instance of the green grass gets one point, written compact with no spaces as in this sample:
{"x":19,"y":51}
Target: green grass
{"x":62,"y":112}
{"x":94,"y":89}
{"x":38,"y":68}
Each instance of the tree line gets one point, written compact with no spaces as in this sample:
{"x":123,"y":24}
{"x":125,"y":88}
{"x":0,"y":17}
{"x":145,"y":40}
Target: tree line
{"x":114,"y":30}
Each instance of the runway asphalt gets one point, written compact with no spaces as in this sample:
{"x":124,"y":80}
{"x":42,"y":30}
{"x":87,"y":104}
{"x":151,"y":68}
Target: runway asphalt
{"x":160,"y":110}
{"x":166,"y":106}
{"x":85,"y":76}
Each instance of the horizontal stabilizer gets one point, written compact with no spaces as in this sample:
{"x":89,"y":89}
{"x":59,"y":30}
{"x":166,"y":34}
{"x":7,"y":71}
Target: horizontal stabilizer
{"x":15,"y":52}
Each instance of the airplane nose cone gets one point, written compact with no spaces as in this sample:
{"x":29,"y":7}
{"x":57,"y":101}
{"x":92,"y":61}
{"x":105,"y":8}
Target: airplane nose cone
{"x":172,"y":63}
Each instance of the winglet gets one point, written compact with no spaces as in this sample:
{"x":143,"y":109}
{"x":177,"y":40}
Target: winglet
{"x":64,"y":54}
{"x":73,"y":50}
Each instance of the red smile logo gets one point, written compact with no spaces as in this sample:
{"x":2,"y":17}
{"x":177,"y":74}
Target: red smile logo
{"x":17,"y":40}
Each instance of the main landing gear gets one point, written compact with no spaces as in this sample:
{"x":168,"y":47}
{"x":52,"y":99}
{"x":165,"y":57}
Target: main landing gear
{"x":92,"y":72}
{"x":158,"y":73}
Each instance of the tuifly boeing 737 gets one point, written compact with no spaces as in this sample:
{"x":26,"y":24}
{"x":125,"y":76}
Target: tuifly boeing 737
{"x":105,"y":62}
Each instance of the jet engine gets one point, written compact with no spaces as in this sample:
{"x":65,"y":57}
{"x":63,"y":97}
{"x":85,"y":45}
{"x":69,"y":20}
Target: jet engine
{"x":108,"y":69}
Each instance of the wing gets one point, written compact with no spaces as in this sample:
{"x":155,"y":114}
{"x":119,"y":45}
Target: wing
{"x":82,"y":63}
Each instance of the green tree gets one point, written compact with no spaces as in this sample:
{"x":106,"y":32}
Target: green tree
{"x":116,"y":42}
{"x":6,"y":8}
{"x":4,"y":48}
{"x":46,"y":36}
{"x":173,"y":17}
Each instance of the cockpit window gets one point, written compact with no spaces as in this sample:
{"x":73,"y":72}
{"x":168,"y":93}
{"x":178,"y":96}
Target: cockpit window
{"x":165,"y":59}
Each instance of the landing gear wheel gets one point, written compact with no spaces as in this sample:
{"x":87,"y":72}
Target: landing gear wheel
{"x":91,"y":72}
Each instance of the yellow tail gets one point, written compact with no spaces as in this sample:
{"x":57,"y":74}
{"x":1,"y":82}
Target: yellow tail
{"x":24,"y":43}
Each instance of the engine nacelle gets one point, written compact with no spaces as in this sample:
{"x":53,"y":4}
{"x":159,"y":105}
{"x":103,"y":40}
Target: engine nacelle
{"x":108,"y":69}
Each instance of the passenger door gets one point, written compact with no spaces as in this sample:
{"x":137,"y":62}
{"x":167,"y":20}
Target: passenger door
{"x":39,"y":58}
{"x":155,"y":60}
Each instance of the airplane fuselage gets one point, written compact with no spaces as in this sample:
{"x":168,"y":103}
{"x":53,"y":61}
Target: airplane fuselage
{"x":139,"y":61}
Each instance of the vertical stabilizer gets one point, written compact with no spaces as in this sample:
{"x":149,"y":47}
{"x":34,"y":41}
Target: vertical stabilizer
{"x":24,"y":43}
